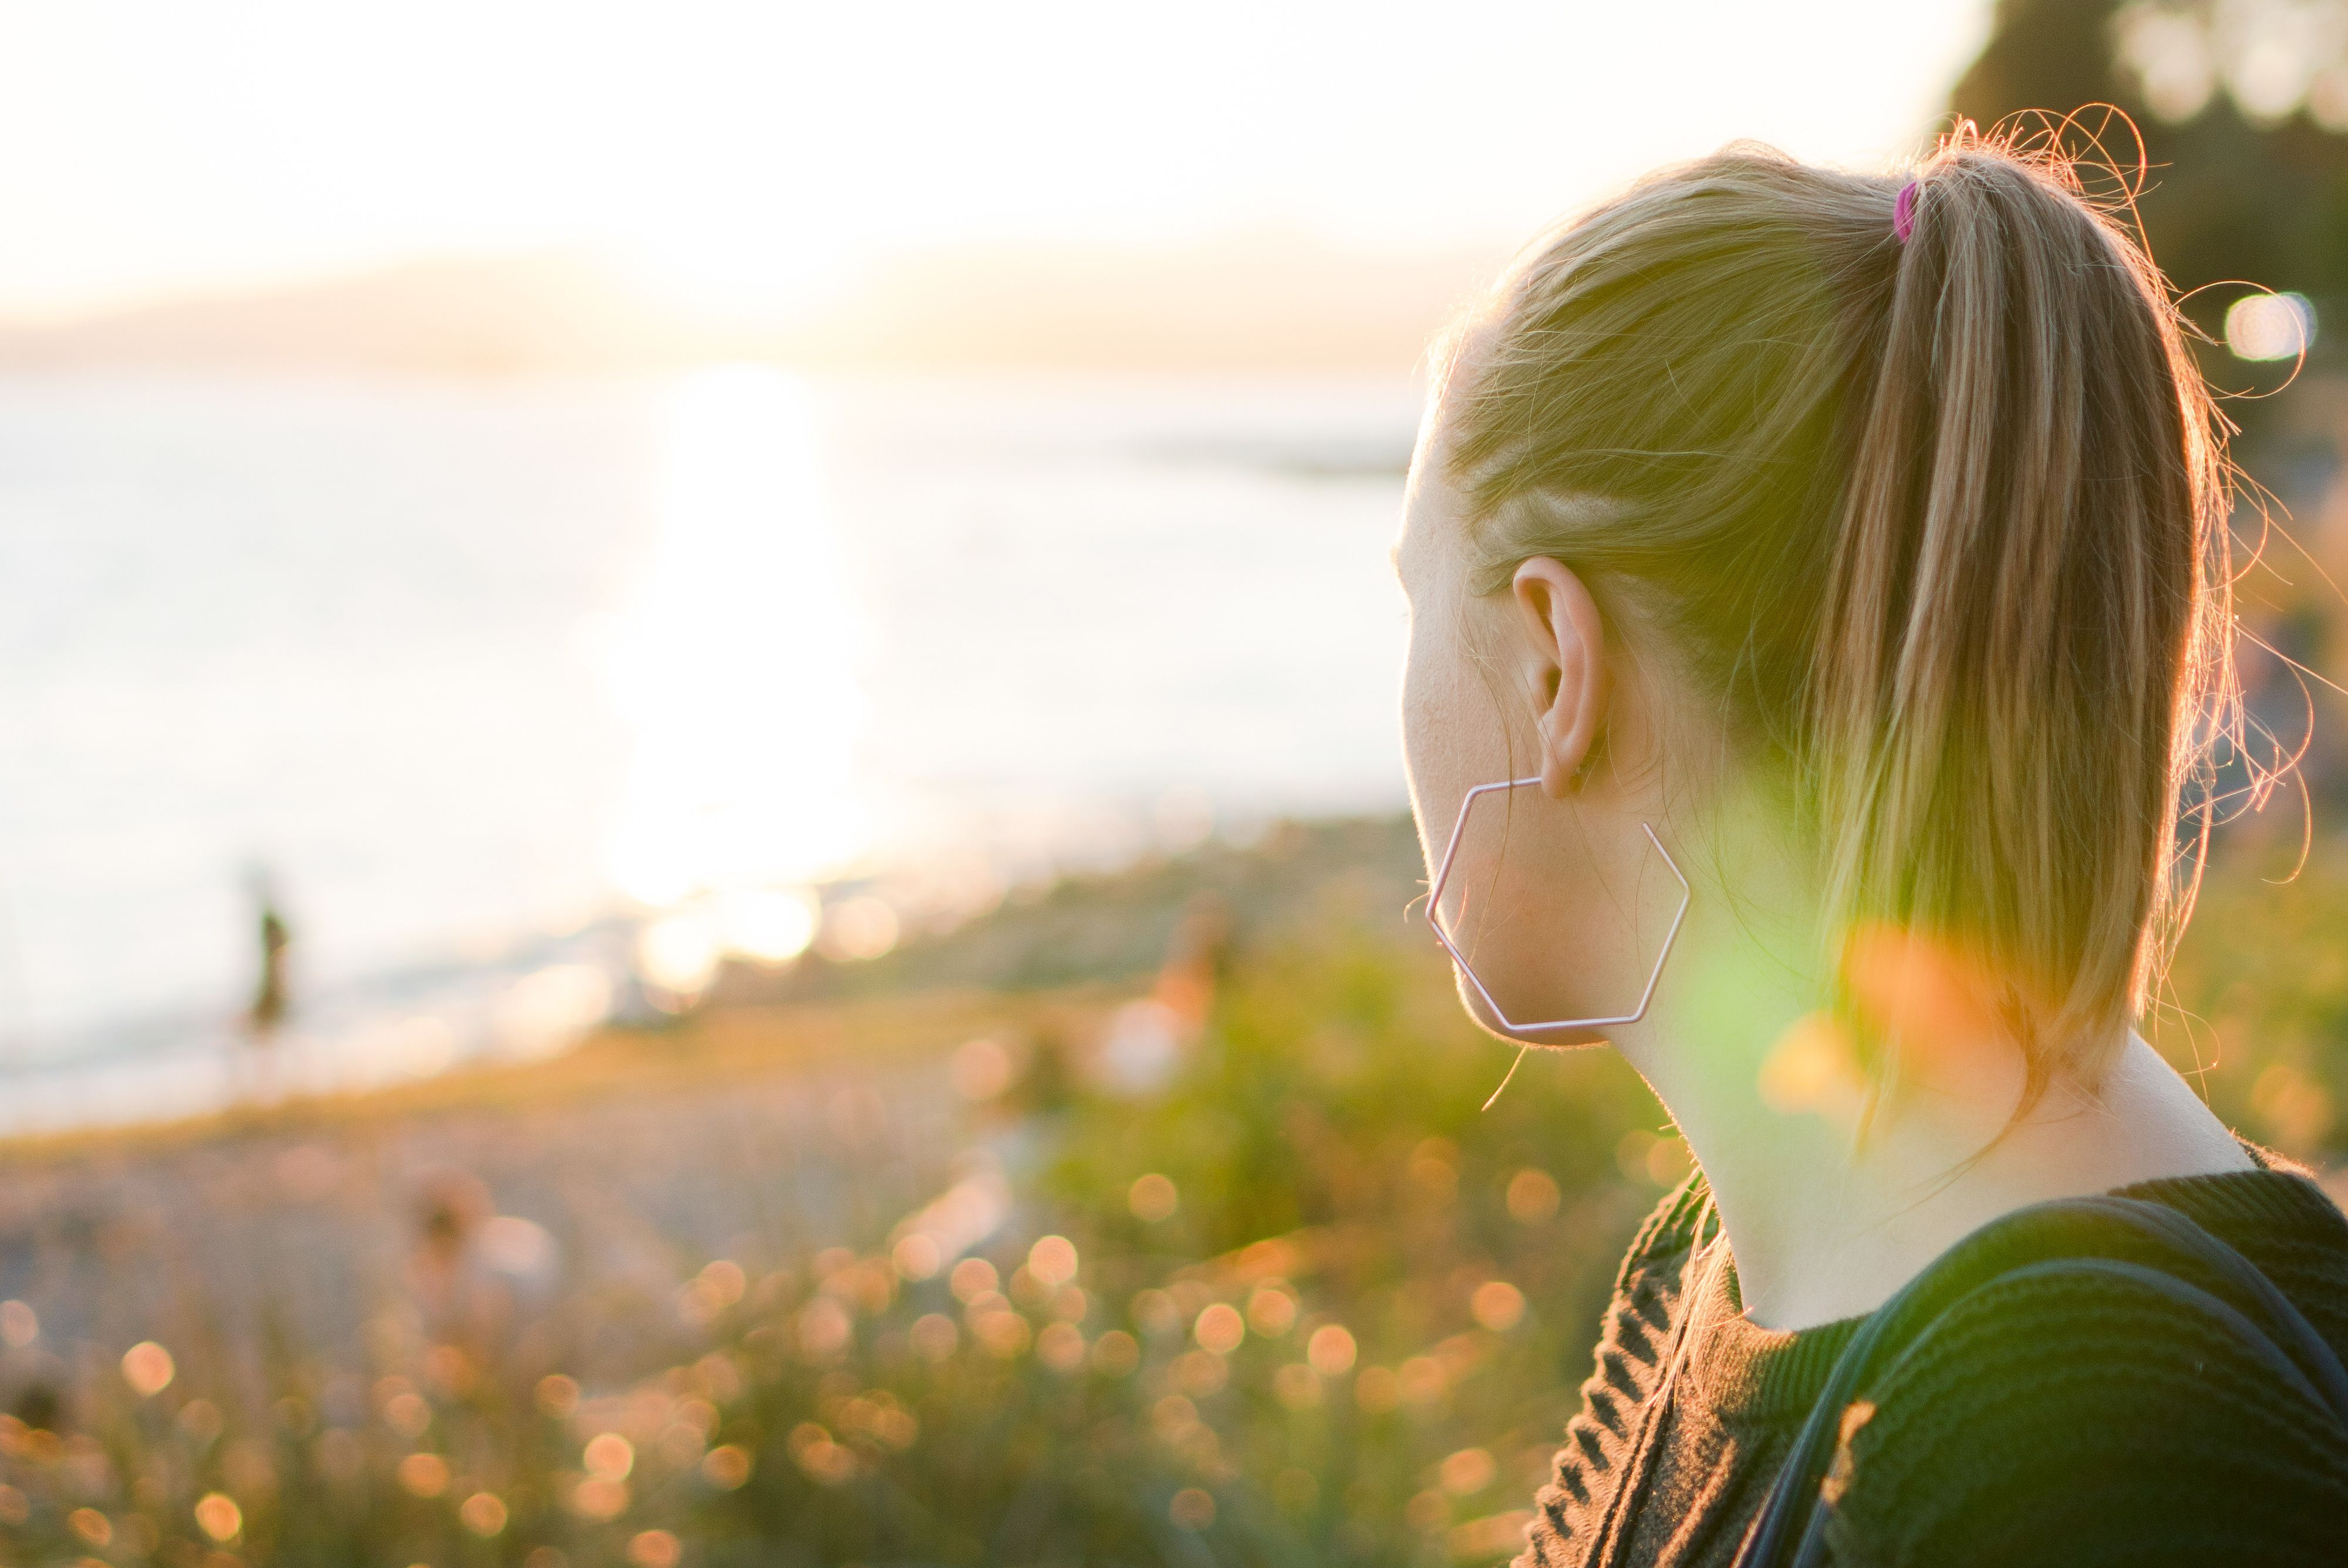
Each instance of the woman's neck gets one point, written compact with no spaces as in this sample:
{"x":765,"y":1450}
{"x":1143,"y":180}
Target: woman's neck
{"x":1825,"y":1224}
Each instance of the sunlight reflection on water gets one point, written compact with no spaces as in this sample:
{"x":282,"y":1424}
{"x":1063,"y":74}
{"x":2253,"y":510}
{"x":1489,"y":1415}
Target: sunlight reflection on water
{"x":489,"y":674}
{"x":736,"y":670}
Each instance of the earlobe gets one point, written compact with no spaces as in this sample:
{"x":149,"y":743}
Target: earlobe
{"x":1565,"y":650}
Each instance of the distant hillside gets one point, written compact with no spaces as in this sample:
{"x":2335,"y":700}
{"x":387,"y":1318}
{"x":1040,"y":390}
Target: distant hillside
{"x":1242,"y":303}
{"x":1253,"y":302}
{"x":451,"y":317}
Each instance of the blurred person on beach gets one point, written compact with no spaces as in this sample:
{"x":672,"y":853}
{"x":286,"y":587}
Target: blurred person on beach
{"x":464,"y":1306}
{"x":272,"y":1003}
{"x":269,"y":998}
{"x":1821,"y":631}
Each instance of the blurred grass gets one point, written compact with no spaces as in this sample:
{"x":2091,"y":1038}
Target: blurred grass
{"x":1258,"y":1282}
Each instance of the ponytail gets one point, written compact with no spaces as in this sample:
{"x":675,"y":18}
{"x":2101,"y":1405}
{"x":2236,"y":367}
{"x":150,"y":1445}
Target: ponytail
{"x":1936,"y":509}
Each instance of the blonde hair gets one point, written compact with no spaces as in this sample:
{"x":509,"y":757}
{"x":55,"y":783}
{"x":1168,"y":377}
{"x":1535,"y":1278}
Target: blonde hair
{"x":1940,"y":523}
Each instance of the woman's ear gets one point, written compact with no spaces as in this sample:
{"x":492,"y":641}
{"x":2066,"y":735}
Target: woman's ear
{"x":1563,"y":648}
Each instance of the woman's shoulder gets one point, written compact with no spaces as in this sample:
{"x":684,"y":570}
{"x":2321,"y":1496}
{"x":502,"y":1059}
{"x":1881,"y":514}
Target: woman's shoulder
{"x":2080,"y":1416}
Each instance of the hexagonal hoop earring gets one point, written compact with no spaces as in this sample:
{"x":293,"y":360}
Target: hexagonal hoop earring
{"x":1435,"y":904}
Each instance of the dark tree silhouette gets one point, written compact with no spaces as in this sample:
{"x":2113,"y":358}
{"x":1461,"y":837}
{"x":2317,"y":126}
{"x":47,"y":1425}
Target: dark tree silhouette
{"x":2243,"y":115}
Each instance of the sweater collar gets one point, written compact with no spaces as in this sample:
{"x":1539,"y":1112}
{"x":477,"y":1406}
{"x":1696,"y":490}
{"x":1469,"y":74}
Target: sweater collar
{"x":1747,"y":1374}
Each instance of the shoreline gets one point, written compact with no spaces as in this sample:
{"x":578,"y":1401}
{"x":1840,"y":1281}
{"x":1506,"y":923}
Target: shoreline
{"x":1095,"y":930}
{"x":741,"y":1039}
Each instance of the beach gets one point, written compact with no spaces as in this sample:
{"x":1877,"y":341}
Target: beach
{"x":831,"y":1206}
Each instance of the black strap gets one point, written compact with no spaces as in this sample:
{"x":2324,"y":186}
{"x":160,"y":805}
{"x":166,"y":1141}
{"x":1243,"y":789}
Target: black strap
{"x":2110,"y":1237}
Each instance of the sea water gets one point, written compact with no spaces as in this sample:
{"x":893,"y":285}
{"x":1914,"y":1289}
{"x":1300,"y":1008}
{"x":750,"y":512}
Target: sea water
{"x":475,"y":679}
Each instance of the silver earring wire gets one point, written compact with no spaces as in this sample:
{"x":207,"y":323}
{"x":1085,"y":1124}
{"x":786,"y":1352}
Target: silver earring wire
{"x":1435,"y":922}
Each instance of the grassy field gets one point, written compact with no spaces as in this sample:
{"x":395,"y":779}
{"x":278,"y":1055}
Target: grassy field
{"x":1149,"y":1220}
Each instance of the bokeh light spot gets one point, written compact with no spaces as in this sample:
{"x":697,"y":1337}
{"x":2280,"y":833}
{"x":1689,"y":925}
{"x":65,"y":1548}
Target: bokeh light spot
{"x":1221,"y":1328}
{"x":1053,"y":1259}
{"x":1497,"y":1305}
{"x":1153,"y":1198}
{"x":147,"y":1368}
{"x":218,"y":1516}
{"x":483,"y":1513}
{"x":1330,"y":1351}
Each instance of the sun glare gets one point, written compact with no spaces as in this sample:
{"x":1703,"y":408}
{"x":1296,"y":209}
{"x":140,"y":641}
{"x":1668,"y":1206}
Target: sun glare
{"x":732,"y":149}
{"x":743,"y":266}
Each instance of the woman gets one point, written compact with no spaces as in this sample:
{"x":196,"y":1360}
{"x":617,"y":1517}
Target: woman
{"x":1839,"y":565}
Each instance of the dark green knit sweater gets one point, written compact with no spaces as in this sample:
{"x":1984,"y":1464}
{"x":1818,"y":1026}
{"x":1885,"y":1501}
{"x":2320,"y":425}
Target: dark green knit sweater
{"x":2042,"y":1422}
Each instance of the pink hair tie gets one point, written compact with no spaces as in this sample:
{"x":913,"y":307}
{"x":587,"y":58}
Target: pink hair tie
{"x":1903,"y":212}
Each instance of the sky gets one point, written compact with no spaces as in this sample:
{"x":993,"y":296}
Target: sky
{"x":747,"y":158}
